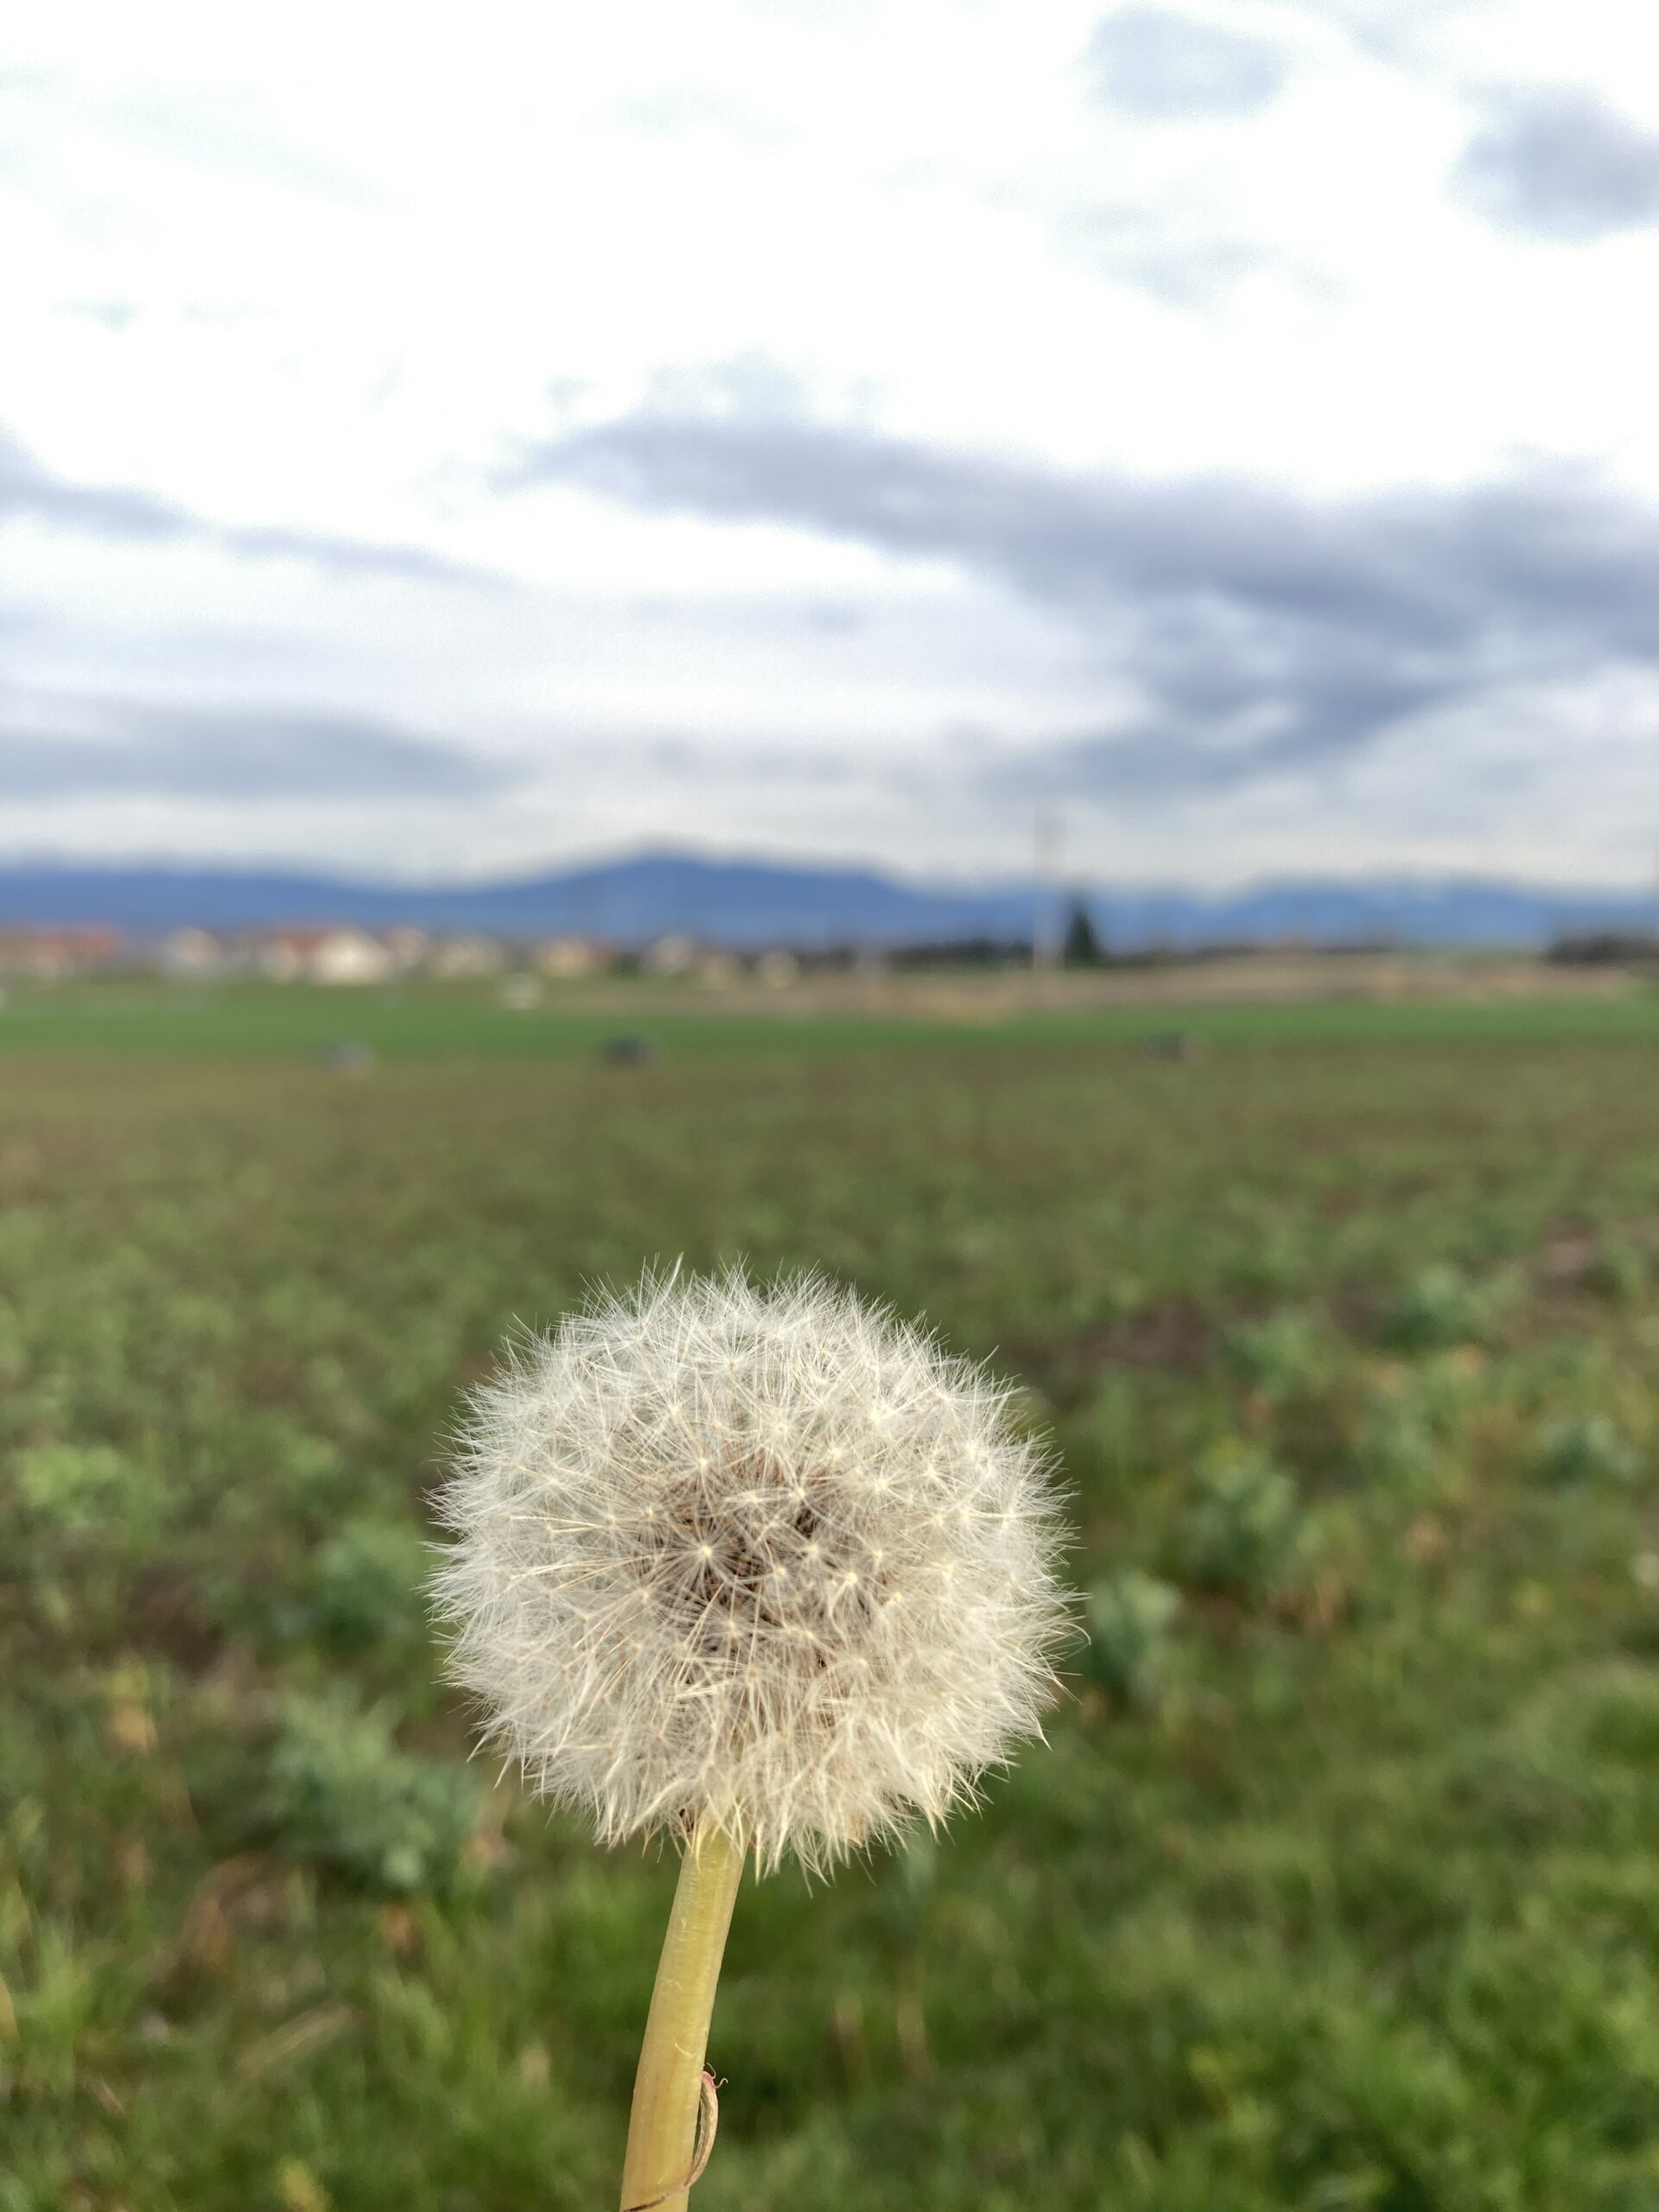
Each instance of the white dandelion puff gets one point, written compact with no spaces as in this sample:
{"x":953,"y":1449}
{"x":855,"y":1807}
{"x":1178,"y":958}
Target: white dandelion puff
{"x":758,"y":1558}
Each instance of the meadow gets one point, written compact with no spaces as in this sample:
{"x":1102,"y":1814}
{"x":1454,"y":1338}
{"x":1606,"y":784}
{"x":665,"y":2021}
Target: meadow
{"x":1336,"y":1886}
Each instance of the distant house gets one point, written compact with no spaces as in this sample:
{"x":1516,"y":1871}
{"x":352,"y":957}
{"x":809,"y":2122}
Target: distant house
{"x":280,"y":954}
{"x":322,"y":955}
{"x":46,"y":955}
{"x":192,"y":952}
{"x":408,"y":947}
{"x":716,"y":967}
{"x":462,"y":959}
{"x":349,"y":956}
{"x":777,"y":969}
{"x":567,"y":959}
{"x":670,"y":955}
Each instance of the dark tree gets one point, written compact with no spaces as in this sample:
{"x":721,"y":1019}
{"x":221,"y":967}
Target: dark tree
{"x":1081,"y":947}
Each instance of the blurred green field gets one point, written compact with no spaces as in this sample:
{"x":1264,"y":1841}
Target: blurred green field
{"x":1337,"y":1887}
{"x":423,"y":1021}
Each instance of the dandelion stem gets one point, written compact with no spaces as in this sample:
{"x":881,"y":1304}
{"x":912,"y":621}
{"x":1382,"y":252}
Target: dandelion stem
{"x":667,"y":2089}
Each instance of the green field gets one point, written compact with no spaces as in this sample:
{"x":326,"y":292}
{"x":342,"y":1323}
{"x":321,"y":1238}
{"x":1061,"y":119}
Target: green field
{"x":1338,"y":1885}
{"x":416,"y":1021}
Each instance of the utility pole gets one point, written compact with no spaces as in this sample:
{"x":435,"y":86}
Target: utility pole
{"x":1050,"y":844}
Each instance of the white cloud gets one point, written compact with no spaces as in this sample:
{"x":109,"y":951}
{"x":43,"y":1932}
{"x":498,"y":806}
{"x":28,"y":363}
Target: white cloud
{"x":287,"y":285}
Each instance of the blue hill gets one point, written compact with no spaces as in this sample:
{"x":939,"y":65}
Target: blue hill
{"x":756,"y":902}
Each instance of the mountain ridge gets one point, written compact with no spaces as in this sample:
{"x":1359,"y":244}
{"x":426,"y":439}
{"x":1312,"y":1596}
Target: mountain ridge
{"x":749,"y":902}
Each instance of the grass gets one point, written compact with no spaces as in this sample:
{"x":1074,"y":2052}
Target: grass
{"x":418,"y":1021}
{"x":1335,"y":1888}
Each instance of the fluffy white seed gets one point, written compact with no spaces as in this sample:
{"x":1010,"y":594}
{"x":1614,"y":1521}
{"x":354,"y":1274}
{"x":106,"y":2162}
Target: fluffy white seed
{"x":757,"y":1553}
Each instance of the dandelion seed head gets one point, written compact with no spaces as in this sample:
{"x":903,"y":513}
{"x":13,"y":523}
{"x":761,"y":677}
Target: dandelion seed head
{"x":755,"y":1553}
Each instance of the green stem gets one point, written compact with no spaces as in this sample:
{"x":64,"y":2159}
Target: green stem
{"x":661,"y":2129}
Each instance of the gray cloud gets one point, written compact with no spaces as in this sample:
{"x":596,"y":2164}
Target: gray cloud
{"x":746,"y":384}
{"x":1156,"y":61}
{"x":1176,"y":264}
{"x":1193,"y":275}
{"x":53,"y":748}
{"x":1561,"y":164}
{"x":28,"y":489}
{"x":1262,"y":632}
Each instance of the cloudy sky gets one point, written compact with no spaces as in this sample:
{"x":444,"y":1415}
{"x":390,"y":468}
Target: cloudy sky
{"x":445,"y":442}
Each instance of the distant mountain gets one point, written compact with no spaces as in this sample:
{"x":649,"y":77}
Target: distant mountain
{"x":749,"y":903}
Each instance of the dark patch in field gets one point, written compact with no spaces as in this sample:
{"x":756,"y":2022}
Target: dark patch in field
{"x":166,"y":1615}
{"x":1570,"y":1261}
{"x":272,"y":1383}
{"x":1176,"y":1335}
